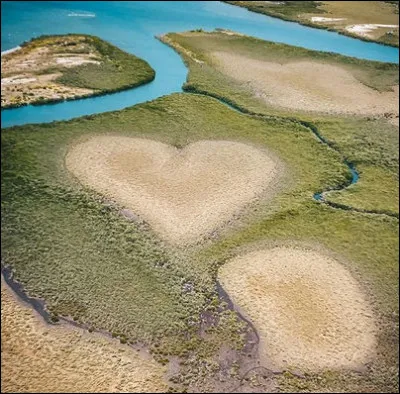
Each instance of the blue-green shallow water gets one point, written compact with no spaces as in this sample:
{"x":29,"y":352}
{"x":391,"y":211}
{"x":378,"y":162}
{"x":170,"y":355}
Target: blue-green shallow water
{"x":132,"y":27}
{"x":354,"y":179}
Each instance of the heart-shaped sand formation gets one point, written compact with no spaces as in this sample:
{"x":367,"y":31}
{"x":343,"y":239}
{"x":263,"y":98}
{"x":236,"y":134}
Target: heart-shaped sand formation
{"x":183,"y":194}
{"x":309,"y":311}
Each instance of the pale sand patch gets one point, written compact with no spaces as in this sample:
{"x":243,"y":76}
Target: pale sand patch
{"x":32,"y":64}
{"x":37,"y":357}
{"x":230,"y":32}
{"x":307,"y":86}
{"x":183,"y":194}
{"x":309,"y":311}
{"x":322,"y":19}
{"x":365,"y":29}
{"x":16,"y":80}
{"x":74,"y":61}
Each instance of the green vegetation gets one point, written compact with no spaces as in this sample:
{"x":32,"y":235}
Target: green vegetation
{"x":362,"y":141}
{"x":75,"y":232}
{"x":118,"y":70}
{"x":373,"y":147}
{"x":384,"y":198}
{"x":368,"y":242}
{"x":76,"y":251}
{"x":73,"y":248}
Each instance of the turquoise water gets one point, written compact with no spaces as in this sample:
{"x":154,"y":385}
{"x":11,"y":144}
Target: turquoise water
{"x":355,"y":176}
{"x":132,"y":27}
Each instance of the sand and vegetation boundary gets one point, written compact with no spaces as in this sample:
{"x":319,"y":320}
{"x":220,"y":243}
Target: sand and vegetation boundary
{"x":355,"y":137}
{"x":37,"y":357}
{"x":309,"y":311}
{"x":375,"y":21}
{"x":104,"y":267}
{"x":155,"y":294}
{"x":66,"y":67}
{"x":184,"y":194}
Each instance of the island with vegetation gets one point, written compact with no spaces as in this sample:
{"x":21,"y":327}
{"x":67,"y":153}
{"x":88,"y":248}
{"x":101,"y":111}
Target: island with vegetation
{"x":66,"y":67}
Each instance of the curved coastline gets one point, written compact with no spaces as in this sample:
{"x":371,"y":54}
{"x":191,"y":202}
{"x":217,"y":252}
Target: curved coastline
{"x":17,"y":48}
{"x":315,"y":26}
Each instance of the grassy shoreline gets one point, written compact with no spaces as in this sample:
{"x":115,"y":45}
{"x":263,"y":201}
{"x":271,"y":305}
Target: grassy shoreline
{"x":289,"y":18}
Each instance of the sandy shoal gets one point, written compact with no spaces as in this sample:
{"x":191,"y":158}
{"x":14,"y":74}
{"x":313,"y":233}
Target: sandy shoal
{"x":307,"y":86}
{"x":183,"y":194}
{"x":37,"y":357}
{"x":309,"y":311}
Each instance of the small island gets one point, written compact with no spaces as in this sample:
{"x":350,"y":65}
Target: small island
{"x":66,"y":67}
